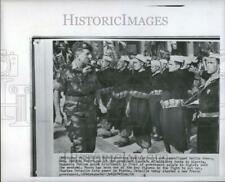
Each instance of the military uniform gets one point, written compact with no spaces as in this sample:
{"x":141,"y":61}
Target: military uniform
{"x":174,"y":121}
{"x":118,"y":105}
{"x":208,"y":121}
{"x":107,"y":80}
{"x":157,"y":88}
{"x":139,"y":115}
{"x":60,"y":61}
{"x":80,"y":92}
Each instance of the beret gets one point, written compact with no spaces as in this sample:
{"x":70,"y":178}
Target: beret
{"x":79,"y":45}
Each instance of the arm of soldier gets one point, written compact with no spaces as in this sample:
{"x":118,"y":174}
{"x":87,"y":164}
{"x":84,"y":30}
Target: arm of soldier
{"x":56,"y":101}
{"x":127,"y":111}
{"x":100,"y":104}
{"x":108,"y":90}
{"x":102,"y":108}
{"x":140,"y":95}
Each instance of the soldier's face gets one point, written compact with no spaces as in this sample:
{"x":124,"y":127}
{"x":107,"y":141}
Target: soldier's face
{"x":105,"y":62}
{"x":84,"y":56}
{"x":212,"y":65}
{"x":164,"y":65}
{"x":154,"y":68}
{"x":137,"y":65}
{"x":121,"y":64}
{"x":174,"y":45}
{"x":62,"y":47}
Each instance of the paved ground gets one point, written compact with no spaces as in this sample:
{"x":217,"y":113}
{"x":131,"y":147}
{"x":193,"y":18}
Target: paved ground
{"x":62,"y":144}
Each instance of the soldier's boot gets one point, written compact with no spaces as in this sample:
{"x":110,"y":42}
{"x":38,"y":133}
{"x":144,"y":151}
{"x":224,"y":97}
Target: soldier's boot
{"x":156,"y":134}
{"x":104,"y":133}
{"x":114,"y":131}
{"x":167,"y":146}
{"x":77,"y":145}
{"x":145,"y":144}
{"x":73,"y":149}
{"x":76,"y":149}
{"x":157,"y":137}
{"x":105,"y":130}
{"x":140,"y":150}
{"x":143,"y":150}
{"x":123,"y":141}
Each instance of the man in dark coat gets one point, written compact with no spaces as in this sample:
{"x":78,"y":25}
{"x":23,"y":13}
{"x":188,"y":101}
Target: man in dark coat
{"x":117,"y":107}
{"x":208,"y":118}
{"x":106,"y":76}
{"x":174,"y":121}
{"x":157,"y":87}
{"x":138,"y":104}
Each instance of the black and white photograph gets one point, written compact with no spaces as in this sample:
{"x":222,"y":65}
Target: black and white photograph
{"x":135,"y":95}
{"x":112,"y":90}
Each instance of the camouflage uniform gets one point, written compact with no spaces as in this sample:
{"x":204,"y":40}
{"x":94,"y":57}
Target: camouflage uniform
{"x":80,"y":92}
{"x":60,"y":61}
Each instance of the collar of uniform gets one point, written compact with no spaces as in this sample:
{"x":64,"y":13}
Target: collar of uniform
{"x":211,"y":79}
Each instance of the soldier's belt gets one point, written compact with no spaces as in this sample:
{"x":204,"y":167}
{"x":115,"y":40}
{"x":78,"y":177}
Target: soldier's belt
{"x":83,"y":98}
{"x":209,"y":115}
{"x":156,"y":92}
{"x":172,"y":103}
{"x":120,"y":95}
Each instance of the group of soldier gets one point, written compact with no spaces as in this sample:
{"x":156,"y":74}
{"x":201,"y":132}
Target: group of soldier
{"x":140,"y":97}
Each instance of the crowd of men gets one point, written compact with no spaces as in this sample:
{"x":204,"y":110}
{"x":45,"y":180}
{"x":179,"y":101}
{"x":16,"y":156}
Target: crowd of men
{"x":139,"y":96}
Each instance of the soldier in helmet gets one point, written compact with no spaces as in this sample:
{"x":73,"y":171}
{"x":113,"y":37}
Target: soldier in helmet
{"x":79,"y":83}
